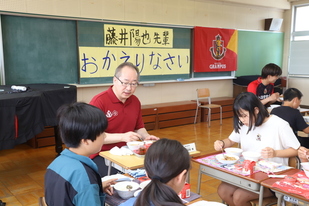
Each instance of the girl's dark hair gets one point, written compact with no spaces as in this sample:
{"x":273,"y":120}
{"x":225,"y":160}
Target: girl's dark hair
{"x":271,"y":69}
{"x":79,"y":121}
{"x":248,"y":101}
{"x":164,"y":160}
{"x":291,"y":93}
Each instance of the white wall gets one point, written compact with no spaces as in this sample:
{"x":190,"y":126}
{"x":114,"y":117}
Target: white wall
{"x":168,"y":92}
{"x":234,"y":14}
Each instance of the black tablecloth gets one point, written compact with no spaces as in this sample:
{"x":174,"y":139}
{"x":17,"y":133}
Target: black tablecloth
{"x":24,"y":114}
{"x":247,"y":79}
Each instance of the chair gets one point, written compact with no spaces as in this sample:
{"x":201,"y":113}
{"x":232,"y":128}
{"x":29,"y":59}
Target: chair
{"x":293,"y":162}
{"x":205,"y":94}
{"x":42,"y":201}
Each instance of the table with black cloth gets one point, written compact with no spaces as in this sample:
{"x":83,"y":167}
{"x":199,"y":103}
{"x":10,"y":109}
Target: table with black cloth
{"x":25,"y":114}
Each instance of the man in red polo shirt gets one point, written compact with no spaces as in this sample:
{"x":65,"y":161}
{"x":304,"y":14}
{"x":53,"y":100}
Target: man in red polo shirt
{"x":263,"y":87}
{"x":123,"y":111}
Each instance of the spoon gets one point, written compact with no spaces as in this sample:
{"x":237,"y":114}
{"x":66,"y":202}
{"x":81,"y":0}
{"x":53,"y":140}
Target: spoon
{"x":223,"y":154}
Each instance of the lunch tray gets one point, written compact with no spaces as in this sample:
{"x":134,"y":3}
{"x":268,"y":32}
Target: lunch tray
{"x":212,"y":161}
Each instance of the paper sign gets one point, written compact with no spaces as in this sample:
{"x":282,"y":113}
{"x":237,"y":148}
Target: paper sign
{"x":190,"y":147}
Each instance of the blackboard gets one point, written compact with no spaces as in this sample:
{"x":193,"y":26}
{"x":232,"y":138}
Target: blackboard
{"x":258,"y":48}
{"x":39,"y":50}
{"x":42,"y":50}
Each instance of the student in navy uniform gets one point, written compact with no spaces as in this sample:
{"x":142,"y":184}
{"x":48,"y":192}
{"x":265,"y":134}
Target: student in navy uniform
{"x":263,"y":87}
{"x":73,"y":178}
{"x":289,"y":112}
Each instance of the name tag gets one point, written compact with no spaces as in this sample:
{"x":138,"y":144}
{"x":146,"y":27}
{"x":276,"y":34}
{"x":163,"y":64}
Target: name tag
{"x":190,"y":147}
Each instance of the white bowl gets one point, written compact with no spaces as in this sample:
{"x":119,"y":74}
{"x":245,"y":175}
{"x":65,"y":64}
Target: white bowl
{"x":274,"y":106}
{"x":144,"y":184}
{"x":123,"y":191}
{"x":135,"y":145}
{"x":233,"y":151}
{"x":253,"y":156}
{"x":222,"y":160}
{"x":305,"y":165}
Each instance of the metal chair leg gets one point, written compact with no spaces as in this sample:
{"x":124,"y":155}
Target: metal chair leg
{"x":195,"y":115}
{"x":220,"y":115}
{"x":209,"y":116}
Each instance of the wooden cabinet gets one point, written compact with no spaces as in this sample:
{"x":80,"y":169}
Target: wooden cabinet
{"x":149,"y":114}
{"x":168,"y":114}
{"x":175,"y":113}
{"x":45,"y":138}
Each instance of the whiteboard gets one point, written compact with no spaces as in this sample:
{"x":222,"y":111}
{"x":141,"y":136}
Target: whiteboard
{"x":299,"y":61}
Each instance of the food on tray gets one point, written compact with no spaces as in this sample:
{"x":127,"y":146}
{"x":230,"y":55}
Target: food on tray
{"x":268,"y":164}
{"x":225,"y":157}
{"x":140,"y":151}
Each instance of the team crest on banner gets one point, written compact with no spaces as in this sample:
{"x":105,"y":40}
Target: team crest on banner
{"x":215,"y":49}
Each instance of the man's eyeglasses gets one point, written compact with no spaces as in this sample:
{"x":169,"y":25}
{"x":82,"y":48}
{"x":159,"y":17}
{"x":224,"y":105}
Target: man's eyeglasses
{"x":125,"y":84}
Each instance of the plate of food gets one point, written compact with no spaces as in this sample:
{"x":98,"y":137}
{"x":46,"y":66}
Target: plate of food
{"x":140,"y":152}
{"x":227,"y":159}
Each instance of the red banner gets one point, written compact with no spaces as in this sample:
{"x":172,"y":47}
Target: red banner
{"x":215,"y":49}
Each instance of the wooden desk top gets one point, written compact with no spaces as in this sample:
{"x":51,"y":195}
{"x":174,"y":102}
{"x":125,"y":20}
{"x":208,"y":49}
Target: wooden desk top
{"x":130,"y":162}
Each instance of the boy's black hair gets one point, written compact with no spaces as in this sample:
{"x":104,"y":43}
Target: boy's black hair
{"x":291,"y":93}
{"x":271,"y":69}
{"x":79,"y":121}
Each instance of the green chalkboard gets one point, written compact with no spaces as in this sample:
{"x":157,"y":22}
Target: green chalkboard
{"x":258,"y":48}
{"x":39,"y":50}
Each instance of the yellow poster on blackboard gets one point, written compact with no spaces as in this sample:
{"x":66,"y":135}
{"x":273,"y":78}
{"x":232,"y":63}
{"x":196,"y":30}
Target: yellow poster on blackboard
{"x":102,"y":61}
{"x":137,"y":36}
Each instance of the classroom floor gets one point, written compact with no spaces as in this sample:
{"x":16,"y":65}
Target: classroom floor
{"x":22,"y":169}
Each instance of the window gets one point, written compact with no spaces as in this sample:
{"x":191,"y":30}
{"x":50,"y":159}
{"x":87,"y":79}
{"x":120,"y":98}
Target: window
{"x":300,"y":26}
{"x":299,"y":48}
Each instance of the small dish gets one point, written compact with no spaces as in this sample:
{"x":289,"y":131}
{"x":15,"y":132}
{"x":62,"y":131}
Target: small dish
{"x":253,"y":156}
{"x":142,"y":185}
{"x":138,"y":155}
{"x":134,"y":145}
{"x":305,"y":165}
{"x":233,"y":151}
{"x":231,"y":159}
{"x":126,"y":189}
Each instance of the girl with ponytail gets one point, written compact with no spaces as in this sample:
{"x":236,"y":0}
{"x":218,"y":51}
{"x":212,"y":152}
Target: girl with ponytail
{"x":167,"y":164}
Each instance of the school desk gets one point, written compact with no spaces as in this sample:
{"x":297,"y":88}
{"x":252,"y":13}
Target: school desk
{"x":250,"y":182}
{"x":25,"y":114}
{"x":288,"y":196}
{"x":128,"y":162}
